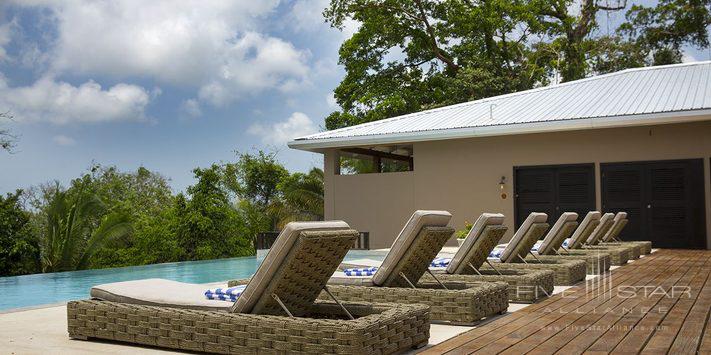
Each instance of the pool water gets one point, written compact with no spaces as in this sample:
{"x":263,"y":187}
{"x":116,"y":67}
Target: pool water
{"x":52,"y":288}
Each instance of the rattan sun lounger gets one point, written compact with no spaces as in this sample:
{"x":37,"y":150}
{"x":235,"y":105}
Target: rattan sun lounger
{"x":576,"y":243}
{"x":524,"y":285}
{"x":276,"y":313}
{"x":399,"y":278}
{"x":612,"y":237}
{"x":596,"y":263}
{"x":514,"y":254}
{"x":605,"y":226}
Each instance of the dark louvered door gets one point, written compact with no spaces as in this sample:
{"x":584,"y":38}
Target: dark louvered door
{"x":553,"y":190}
{"x":664,"y":199}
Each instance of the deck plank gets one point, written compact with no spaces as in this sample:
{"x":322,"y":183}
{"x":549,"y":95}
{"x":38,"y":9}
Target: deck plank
{"x":599,"y":318}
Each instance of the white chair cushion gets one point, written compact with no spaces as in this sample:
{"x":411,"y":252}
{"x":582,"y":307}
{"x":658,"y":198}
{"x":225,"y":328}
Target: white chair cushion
{"x":159,"y":292}
{"x":578,"y":234}
{"x":407,"y":235}
{"x":462,"y":254}
{"x":602,"y":228}
{"x":555,"y":230}
{"x":534,"y":217}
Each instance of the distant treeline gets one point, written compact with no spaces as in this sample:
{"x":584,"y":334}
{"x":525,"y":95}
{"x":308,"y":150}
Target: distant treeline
{"x":109,"y":218}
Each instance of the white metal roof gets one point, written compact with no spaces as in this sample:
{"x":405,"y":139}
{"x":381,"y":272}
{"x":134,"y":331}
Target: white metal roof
{"x":641,"y":96}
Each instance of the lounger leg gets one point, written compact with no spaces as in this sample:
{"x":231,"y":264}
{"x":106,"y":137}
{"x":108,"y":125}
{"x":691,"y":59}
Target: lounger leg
{"x":522,"y":259}
{"x":436,"y":279}
{"x":475,"y":269}
{"x":566,"y":249}
{"x":338,"y":302}
{"x":407,"y":280}
{"x":492,"y":266}
{"x":274,"y":295}
{"x":535,"y":257}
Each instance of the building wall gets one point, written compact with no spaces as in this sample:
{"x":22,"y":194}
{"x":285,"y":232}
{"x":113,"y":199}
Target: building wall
{"x":462,"y":176}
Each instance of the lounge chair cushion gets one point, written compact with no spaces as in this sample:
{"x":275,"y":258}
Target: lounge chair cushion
{"x":553,"y":236}
{"x":463,"y":254}
{"x":579,"y":234}
{"x":273,"y":261}
{"x":601,"y":229}
{"x":618,"y":222}
{"x":159,"y":292}
{"x":534,"y":217}
{"x":407,"y":235}
{"x":340,"y":278}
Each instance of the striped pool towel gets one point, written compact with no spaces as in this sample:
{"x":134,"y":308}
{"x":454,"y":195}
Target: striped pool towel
{"x":440,"y":262}
{"x":496,"y":253}
{"x":225,"y":294}
{"x":566,"y":242}
{"x":537,"y":245}
{"x":365,"y":271}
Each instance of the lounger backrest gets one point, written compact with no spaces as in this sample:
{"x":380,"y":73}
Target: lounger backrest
{"x":619,"y":222}
{"x":298,"y":265}
{"x":585,"y":228}
{"x":422,"y":236}
{"x":479,"y":242}
{"x":525,"y":237}
{"x":561,"y":230}
{"x":606,"y":223}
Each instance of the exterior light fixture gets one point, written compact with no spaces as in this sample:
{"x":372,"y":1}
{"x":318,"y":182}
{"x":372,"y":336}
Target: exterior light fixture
{"x":502,"y":184}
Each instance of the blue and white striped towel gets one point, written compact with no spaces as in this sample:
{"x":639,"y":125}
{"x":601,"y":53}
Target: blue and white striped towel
{"x":365,"y":271}
{"x":496,"y":253}
{"x":225,"y":294}
{"x":440,"y":262}
{"x":566,"y":242}
{"x":537,"y":245}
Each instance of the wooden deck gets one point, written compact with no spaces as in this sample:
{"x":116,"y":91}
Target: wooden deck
{"x":657,"y":304}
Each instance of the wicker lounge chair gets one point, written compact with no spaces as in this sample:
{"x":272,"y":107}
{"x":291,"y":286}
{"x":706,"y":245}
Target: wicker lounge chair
{"x":612,"y":237}
{"x":597,"y":263}
{"x":576,"y":243}
{"x":524,"y":285}
{"x":514,"y":254}
{"x":606,"y":224}
{"x":399,"y":278}
{"x":293,"y":274}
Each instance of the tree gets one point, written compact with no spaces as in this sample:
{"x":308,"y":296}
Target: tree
{"x":209,"y":227}
{"x":19,"y":248}
{"x":301,"y":198}
{"x":412,"y":55}
{"x":76,"y":227}
{"x":7,"y":139}
{"x":254,"y":178}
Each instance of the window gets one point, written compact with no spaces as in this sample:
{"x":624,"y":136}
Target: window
{"x":382,"y":159}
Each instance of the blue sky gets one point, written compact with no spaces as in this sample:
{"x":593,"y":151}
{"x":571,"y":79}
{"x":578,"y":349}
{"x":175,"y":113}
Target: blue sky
{"x":169,"y":85}
{"x":166,"y":85}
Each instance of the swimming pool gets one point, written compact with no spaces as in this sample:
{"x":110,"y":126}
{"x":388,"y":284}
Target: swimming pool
{"x":41,"y":289}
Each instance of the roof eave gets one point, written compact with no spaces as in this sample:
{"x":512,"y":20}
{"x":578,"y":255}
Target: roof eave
{"x":316,"y":145}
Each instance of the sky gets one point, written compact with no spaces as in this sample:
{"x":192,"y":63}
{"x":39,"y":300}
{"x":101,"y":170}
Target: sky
{"x":167,"y":85}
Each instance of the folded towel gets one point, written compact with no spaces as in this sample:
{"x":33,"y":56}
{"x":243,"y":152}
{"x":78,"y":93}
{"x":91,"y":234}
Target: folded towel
{"x":225,"y":294}
{"x":566,"y":242}
{"x":365,"y":271}
{"x":440,"y":262}
{"x":537,"y":245}
{"x":496,"y":253}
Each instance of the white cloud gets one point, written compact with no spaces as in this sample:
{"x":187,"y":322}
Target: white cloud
{"x":307,"y":16}
{"x":5,"y":37}
{"x":191,"y":107}
{"x":63,"y":140}
{"x":214,"y":46}
{"x":48,"y":100}
{"x":297,"y":125}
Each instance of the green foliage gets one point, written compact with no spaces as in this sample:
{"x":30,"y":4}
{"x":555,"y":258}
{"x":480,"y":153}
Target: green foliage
{"x":301,"y":198}
{"x":19,"y":248}
{"x":462,"y":233}
{"x":77,"y":226}
{"x":209,"y":227}
{"x":412,"y":55}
